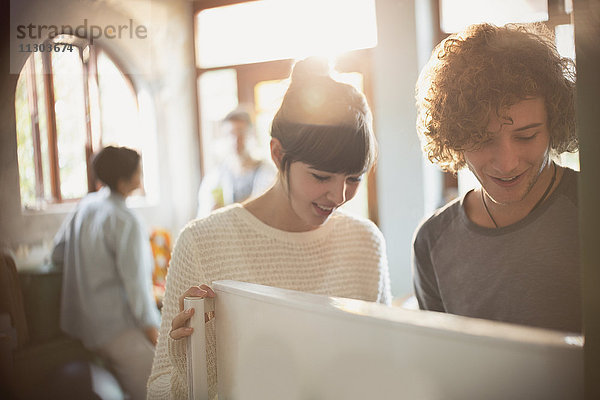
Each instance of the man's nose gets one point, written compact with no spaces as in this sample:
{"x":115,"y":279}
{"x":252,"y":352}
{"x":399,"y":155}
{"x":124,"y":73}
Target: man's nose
{"x":505,"y":157}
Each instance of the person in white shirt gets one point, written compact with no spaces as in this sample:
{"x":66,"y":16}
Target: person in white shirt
{"x":104,"y":250}
{"x":242,"y":174}
{"x":293,"y":236}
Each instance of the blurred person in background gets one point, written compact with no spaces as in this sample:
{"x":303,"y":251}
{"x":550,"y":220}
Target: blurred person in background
{"x":242,"y":174}
{"x":107,"y":299}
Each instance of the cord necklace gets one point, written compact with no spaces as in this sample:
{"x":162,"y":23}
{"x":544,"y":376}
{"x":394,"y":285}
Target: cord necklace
{"x":536,"y":204}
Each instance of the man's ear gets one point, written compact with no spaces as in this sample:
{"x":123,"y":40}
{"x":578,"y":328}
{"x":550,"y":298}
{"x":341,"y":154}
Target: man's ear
{"x":276,"y":152}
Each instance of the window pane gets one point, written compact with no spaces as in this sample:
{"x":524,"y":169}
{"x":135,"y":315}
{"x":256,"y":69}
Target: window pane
{"x":268,"y":96}
{"x":565,"y":40}
{"x":568,"y":6}
{"x":148,"y":147}
{"x":125,"y":122}
{"x":218,"y":96}
{"x":565,"y":44}
{"x":121,"y":116}
{"x":282,"y":29}
{"x":118,"y":106}
{"x":69,"y":108}
{"x":24,"y":142}
{"x":94,"y":106}
{"x":456,"y":15}
{"x":43,"y":124}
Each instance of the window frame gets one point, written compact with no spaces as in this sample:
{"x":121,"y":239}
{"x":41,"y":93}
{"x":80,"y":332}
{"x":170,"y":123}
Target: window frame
{"x":88,"y":54}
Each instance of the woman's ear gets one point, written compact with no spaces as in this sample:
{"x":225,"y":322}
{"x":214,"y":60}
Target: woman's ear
{"x":276,"y":152}
{"x":122,"y":187}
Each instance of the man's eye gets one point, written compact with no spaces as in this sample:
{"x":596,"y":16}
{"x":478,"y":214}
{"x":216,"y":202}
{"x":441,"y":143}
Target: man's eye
{"x":525,"y":138}
{"x":320,"y":178}
{"x":354,"y":179}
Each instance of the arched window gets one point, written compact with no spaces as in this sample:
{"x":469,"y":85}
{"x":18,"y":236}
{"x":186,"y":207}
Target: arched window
{"x":70,"y":102}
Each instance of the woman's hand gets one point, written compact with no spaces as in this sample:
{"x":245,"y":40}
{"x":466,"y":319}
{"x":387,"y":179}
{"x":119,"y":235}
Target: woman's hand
{"x":178,"y":328}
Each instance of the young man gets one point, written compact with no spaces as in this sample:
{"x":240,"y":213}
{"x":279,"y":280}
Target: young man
{"x":499,"y":101}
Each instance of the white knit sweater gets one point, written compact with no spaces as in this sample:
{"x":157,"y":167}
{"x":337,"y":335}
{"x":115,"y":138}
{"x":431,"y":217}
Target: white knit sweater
{"x":345,"y":257}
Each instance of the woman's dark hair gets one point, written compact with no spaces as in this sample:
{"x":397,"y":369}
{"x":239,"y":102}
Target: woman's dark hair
{"x":114,"y":163}
{"x":324,"y":123}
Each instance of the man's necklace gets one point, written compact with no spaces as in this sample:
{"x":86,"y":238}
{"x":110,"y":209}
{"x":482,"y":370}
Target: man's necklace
{"x":536,"y":204}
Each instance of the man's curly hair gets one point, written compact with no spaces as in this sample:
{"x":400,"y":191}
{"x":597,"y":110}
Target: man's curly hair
{"x":480,"y":72}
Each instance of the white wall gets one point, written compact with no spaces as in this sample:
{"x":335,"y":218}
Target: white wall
{"x":400,"y":169}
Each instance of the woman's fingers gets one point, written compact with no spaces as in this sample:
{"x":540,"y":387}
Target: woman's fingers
{"x":178,"y":328}
{"x":181,"y":333}
{"x":209,"y":291}
{"x":194,"y":291}
{"x":180,"y":319}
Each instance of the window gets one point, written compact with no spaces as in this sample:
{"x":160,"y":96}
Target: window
{"x":218,"y":93}
{"x":244,"y":53}
{"x":282,"y":29}
{"x":69,"y":104}
{"x":455,"y":15}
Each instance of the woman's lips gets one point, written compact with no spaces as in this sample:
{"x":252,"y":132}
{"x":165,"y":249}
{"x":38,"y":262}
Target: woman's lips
{"x":323,"y":210}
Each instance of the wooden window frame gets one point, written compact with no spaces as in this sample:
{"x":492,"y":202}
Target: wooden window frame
{"x":90,"y":77}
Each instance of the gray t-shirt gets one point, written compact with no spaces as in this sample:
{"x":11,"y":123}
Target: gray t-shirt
{"x":526,"y":273}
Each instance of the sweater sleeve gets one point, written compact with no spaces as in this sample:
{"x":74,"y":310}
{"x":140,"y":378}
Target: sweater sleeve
{"x":168,"y":379}
{"x":384,"y":294}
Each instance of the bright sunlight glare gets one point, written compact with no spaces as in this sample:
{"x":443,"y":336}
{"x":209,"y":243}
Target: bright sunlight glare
{"x":283,"y":29}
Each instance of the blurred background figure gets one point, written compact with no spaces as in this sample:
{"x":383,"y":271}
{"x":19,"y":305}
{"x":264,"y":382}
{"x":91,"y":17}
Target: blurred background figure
{"x":242,"y":173}
{"x":107,"y":299}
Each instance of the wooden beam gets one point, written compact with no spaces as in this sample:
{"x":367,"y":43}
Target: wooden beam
{"x":587,"y":49}
{"x":88,"y":69}
{"x":35,"y":126}
{"x":51,"y":125}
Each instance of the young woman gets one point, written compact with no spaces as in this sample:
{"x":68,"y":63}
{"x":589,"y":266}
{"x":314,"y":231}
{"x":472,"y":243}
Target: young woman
{"x":107,"y":299}
{"x":293,"y":236}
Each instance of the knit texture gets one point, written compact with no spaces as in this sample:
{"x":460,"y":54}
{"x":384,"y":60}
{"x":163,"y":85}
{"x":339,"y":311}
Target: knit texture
{"x":345,"y":257}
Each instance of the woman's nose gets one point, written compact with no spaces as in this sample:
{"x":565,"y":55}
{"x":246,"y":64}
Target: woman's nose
{"x":337,"y":192}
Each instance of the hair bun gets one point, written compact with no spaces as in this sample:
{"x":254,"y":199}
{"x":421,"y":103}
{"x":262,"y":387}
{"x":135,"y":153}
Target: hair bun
{"x":309,"y":69}
{"x":113,"y":163}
